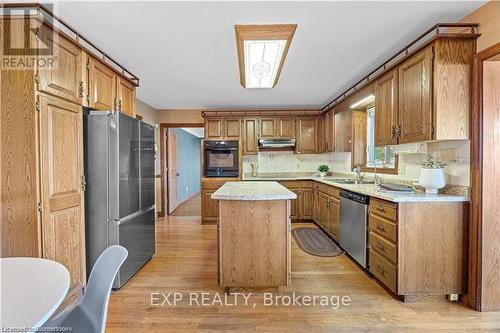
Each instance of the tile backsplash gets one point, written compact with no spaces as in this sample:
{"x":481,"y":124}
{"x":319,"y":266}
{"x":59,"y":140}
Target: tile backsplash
{"x":455,"y":153}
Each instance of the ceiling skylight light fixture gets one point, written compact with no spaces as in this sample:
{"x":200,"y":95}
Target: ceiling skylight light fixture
{"x":261,"y":53}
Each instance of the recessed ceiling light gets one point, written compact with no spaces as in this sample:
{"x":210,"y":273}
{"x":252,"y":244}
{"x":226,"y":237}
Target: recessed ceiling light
{"x":261,"y":53}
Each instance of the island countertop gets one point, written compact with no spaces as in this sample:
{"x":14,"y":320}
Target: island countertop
{"x":253,"y":190}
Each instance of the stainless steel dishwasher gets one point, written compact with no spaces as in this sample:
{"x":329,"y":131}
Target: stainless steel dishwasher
{"x":353,"y":225}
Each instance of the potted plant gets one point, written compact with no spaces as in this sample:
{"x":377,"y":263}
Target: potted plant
{"x":432,"y":175}
{"x":323,"y":170}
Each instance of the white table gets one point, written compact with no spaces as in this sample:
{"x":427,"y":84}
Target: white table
{"x":31,"y":290}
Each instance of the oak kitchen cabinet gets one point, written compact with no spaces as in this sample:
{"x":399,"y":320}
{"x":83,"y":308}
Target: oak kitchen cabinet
{"x":285,"y":127}
{"x":41,"y":130}
{"x":302,"y":207}
{"x":223,"y":128}
{"x":327,"y":208}
{"x":400,"y":254}
{"x":343,"y":131}
{"x":250,"y":136}
{"x":209,"y":206}
{"x":306,"y":135}
{"x":108,"y":91}
{"x":427,"y":96}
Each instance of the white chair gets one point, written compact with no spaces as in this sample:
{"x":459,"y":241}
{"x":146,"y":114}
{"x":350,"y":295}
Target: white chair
{"x":90,"y":314}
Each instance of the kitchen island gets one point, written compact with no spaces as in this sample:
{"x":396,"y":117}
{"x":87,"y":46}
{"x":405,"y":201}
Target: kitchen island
{"x":253,"y":234}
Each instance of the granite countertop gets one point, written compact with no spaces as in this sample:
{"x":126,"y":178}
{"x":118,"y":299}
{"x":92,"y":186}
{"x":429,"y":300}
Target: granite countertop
{"x":368,"y":189}
{"x":253,"y":190}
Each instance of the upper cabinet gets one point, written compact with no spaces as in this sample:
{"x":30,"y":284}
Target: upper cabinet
{"x":214,"y":128}
{"x":102,"y":86}
{"x":66,"y":80}
{"x":415,"y":109}
{"x":250,"y":136}
{"x":426,"y":97}
{"x":329,"y":131}
{"x":267,"y":127}
{"x":108,"y":91}
{"x":233,"y":127}
{"x":306,"y":135}
{"x":343,"y":131}
{"x":386,"y":106}
{"x":125,"y":96}
{"x":223,"y":128}
{"x":285,"y":127}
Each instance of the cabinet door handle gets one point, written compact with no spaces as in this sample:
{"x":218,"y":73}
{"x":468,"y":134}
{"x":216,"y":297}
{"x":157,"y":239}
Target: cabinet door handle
{"x":120,"y":104}
{"x":380,"y":247}
{"x":381,"y":228}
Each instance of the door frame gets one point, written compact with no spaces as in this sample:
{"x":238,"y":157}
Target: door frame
{"x":164,"y":163}
{"x":475,"y":222}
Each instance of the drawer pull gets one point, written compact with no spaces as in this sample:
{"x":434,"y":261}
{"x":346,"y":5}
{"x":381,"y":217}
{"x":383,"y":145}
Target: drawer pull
{"x":380,"y":209}
{"x":381,"y":228}
{"x":380,"y":247}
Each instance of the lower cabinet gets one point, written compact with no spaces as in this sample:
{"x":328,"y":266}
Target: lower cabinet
{"x":209,"y":206}
{"x":327,"y":209}
{"x":416,"y":248}
{"x":302,"y":207}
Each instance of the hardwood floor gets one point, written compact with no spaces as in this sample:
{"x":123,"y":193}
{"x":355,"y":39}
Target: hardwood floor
{"x":186,"y":261}
{"x":191,"y":207}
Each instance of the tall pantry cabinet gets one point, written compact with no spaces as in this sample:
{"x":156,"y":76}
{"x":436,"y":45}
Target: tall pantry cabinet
{"x":42,"y":179}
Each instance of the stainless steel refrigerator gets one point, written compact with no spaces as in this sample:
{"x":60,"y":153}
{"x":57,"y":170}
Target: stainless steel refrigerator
{"x":119,"y":197}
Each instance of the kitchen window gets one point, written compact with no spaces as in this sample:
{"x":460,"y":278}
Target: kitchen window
{"x":379,"y":159}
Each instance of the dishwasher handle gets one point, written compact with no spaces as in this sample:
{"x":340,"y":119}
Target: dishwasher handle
{"x":361,"y":198}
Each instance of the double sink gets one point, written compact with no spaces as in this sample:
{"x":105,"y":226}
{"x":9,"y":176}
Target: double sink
{"x":347,"y":181}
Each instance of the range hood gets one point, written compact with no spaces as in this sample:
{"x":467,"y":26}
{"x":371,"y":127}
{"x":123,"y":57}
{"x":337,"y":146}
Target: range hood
{"x":276,"y":144}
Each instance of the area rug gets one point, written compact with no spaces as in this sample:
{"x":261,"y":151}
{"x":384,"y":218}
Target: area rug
{"x":314,"y":241}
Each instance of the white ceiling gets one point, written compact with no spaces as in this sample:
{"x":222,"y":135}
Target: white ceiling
{"x":185,"y":52}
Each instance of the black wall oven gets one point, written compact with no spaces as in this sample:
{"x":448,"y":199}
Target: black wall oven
{"x":221,"y":158}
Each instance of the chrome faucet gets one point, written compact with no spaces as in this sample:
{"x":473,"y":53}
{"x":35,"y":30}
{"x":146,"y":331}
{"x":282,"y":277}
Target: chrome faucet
{"x":359,"y":177}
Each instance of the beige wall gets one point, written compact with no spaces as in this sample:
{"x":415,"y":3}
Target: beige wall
{"x":180,"y":116}
{"x":488,"y":17}
{"x":149,"y":113}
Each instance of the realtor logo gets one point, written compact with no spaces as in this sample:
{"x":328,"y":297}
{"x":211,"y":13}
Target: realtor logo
{"x":27,"y":43}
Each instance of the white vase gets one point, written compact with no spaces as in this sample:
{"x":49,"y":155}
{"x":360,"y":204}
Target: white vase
{"x":432,"y":180}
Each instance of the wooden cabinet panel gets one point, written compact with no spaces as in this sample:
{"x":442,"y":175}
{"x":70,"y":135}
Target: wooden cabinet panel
{"x":329,"y":128}
{"x":19,"y":175}
{"x":415,"y":104}
{"x":306,"y":135}
{"x":66,"y":79}
{"x":306,"y":203}
{"x":286,"y":128}
{"x":233,"y":128}
{"x":102,"y":86}
{"x":250,"y":136}
{"x":384,"y":247}
{"x":61,"y":153}
{"x":267,"y":127}
{"x":386,"y":109}
{"x":384,"y":208}
{"x":343,"y":131}
{"x":214,"y":128}
{"x":323,"y":210}
{"x":316,"y":205}
{"x":320,"y":133}
{"x":384,"y":270}
{"x":126,"y":96}
{"x":294,"y":205}
{"x":210,"y":207}
{"x":334,"y":217}
{"x":383,"y":227}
